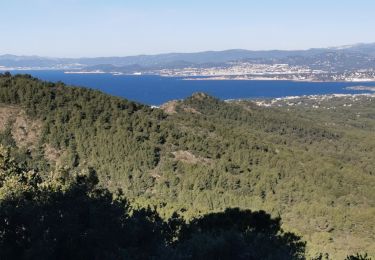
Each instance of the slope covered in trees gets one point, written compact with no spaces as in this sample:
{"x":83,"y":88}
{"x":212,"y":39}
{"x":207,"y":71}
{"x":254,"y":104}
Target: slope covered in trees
{"x":69,"y":217}
{"x":314,"y":168}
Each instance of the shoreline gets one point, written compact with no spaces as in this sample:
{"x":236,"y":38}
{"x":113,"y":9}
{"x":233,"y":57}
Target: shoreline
{"x":191,"y":78}
{"x":208,"y":78}
{"x":220,"y":78}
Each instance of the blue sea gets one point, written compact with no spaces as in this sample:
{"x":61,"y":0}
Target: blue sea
{"x":155,"y":90}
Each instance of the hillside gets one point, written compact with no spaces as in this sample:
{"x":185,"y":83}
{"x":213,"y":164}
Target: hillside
{"x":314,"y":167}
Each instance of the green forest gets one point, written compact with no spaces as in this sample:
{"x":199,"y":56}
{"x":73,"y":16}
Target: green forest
{"x":88,"y":175}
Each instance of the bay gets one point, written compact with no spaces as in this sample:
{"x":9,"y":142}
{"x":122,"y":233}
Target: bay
{"x":156,"y":90}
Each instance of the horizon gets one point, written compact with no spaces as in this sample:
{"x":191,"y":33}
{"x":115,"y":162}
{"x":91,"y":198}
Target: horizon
{"x":195,"y":52}
{"x":82,"y":28}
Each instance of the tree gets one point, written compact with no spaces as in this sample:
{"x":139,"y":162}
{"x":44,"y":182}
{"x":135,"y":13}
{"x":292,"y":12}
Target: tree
{"x":358,"y":257}
{"x":238,"y":234}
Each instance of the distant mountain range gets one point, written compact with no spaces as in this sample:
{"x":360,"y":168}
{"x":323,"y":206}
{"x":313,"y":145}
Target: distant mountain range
{"x":359,"y":56}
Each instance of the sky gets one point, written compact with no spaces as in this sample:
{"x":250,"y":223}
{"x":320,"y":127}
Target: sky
{"x":93,"y":28}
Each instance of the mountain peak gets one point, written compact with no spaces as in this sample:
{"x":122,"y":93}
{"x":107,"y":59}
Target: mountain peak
{"x":200,"y":96}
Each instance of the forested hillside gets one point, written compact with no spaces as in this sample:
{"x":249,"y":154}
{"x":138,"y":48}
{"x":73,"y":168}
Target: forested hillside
{"x":70,"y":217}
{"x":314,"y":168}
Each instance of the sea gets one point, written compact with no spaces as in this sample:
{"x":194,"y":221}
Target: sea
{"x":156,"y":90}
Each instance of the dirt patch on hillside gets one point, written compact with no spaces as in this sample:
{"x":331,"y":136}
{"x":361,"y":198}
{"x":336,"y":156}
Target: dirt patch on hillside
{"x":188,"y":157}
{"x":170,"y":107}
{"x":25,"y":131}
{"x":52,"y":154}
{"x":191,"y":110}
{"x":7,"y":114}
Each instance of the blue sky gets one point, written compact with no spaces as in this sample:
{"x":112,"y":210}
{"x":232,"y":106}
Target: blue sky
{"x":87,"y":28}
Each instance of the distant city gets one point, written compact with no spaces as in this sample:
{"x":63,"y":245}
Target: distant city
{"x":355,"y":63}
{"x":249,"y":71}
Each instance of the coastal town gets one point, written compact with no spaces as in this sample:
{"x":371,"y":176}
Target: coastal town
{"x":328,"y":102}
{"x":251,"y":71}
{"x":240,"y":69}
{"x":228,"y":71}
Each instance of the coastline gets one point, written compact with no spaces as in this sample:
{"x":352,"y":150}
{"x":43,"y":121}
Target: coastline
{"x":221,"y":78}
{"x":197,"y":77}
{"x":207,"y":78}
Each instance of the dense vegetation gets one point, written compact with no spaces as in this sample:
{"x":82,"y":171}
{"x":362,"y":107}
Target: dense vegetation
{"x":313,"y":167}
{"x":69,"y":217}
